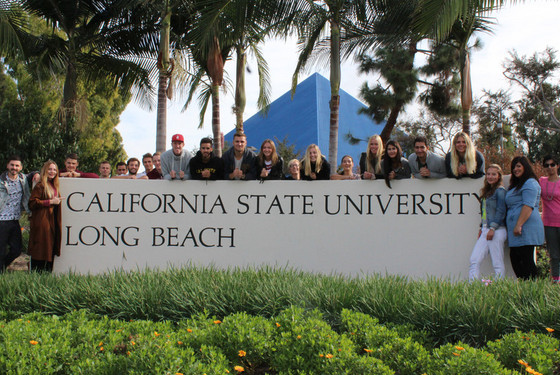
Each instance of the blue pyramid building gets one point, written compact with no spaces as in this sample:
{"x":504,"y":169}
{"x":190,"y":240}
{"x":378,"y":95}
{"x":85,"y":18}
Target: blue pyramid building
{"x":305,"y":120}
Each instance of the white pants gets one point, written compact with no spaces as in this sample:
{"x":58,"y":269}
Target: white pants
{"x":496,"y":249}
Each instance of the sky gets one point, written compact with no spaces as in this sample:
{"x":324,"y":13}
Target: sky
{"x":528,"y":27}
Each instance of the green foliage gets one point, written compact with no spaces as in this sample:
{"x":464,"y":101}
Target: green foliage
{"x":538,"y":350}
{"x":446,"y":311}
{"x":287,"y":151}
{"x":461,"y":359}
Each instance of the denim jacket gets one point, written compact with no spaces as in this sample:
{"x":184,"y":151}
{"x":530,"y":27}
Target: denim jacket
{"x":496,"y":209}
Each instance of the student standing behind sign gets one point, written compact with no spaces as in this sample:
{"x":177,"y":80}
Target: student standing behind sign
{"x":269,"y":164}
{"x":239,"y":161}
{"x":314,"y":165}
{"x":44,"y":203}
{"x":395,"y":167}
{"x":370,"y":161}
{"x":492,"y":233}
{"x":71,"y":170}
{"x":524,"y":224}
{"x":347,"y":173}
{"x":175,"y":162}
{"x":155,"y":174}
{"x":464,"y":160}
{"x":294,"y":168}
{"x":424,"y":163}
{"x":205,"y":165}
{"x":550,"y":188}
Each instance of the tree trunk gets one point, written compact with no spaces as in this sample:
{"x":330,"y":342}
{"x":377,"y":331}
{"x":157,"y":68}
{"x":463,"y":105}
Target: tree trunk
{"x":335,"y":98}
{"x":216,"y":120}
{"x":164,"y":74}
{"x":240,"y":98}
{"x":466,"y":93}
{"x":69,"y":95}
{"x":161,"y":122}
{"x":391,"y":121}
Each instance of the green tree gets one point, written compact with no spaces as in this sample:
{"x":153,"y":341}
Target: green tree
{"x":90,"y":40}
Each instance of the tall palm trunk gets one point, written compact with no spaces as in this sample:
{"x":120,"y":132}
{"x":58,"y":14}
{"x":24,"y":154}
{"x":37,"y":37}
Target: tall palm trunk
{"x":240,"y":98}
{"x":215,"y":65}
{"x":334,"y":103}
{"x":70,"y":94}
{"x":466,"y":92}
{"x":216,"y":120}
{"x":164,"y":74}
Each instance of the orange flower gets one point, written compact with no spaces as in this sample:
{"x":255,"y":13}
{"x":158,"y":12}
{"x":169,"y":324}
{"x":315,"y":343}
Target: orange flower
{"x":33,"y":342}
{"x":242,"y":353}
{"x":178,"y":373}
{"x":321,"y":355}
{"x":456,"y":354}
{"x":329,"y":356}
{"x":118,"y":330}
{"x":239,"y":368}
{"x":156,"y":334}
{"x":277,"y":324}
{"x":101,"y":349}
{"x":217,"y":321}
{"x":522,"y":362}
{"x":189,"y":330}
{"x":100,"y":344}
{"x":180,"y":342}
{"x":132,"y":343}
{"x":298,"y":337}
{"x":459,"y":348}
{"x":368,"y":350}
{"x":550,"y":330}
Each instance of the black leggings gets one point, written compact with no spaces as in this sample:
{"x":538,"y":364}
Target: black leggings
{"x":41,"y":265}
{"x":523,"y":262}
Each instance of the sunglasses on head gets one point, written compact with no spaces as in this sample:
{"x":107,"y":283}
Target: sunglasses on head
{"x":550,"y":165}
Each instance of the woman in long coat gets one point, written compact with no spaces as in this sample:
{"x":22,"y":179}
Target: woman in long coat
{"x":44,"y":203}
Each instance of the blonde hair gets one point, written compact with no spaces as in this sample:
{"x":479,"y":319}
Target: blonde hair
{"x":293,"y":161}
{"x":371,"y":159}
{"x":470,"y":155}
{"x":307,"y":162}
{"x":274,"y":156}
{"x":488,"y":189}
{"x":48,"y":190}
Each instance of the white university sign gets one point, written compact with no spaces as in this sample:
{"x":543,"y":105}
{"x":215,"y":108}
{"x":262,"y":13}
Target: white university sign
{"x":417,"y":228}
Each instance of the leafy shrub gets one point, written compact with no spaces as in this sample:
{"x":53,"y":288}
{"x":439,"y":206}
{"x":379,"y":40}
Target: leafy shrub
{"x":462,"y":359}
{"x":518,"y":351}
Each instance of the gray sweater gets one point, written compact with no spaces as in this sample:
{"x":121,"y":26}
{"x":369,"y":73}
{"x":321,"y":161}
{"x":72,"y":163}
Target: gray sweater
{"x":171,"y":162}
{"x":435,"y":163}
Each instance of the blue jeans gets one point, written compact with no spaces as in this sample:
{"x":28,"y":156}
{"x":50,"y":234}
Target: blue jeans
{"x":10,"y":242}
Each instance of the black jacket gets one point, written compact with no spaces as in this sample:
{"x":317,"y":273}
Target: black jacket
{"x":215,"y":165}
{"x":276,"y":173}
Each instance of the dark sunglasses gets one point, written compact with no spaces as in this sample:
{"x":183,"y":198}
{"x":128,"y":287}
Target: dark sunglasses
{"x":550,"y":165}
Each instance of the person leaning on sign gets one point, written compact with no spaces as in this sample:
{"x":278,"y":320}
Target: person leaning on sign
{"x":424,"y":163}
{"x":175,"y":162}
{"x":314,"y":165}
{"x":395,"y":167}
{"x":464,"y":160}
{"x":492,"y":234}
{"x":45,"y":221}
{"x":205,"y":165}
{"x":239,"y":161}
{"x":155,"y":174}
{"x":370,"y":161}
{"x":294,"y":168}
{"x":523,"y":221}
{"x":71,"y":170}
{"x":269,"y":164}
{"x":347,"y":173}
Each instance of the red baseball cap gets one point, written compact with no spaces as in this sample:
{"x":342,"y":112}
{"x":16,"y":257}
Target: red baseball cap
{"x":177,"y":138}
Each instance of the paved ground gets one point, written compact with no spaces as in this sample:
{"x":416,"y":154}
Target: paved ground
{"x":20,"y":264}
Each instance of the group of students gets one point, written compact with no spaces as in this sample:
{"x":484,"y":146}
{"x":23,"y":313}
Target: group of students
{"x":511,"y":214}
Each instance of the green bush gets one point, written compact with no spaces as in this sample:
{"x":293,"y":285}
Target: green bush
{"x":519,"y":350}
{"x":462,"y":359}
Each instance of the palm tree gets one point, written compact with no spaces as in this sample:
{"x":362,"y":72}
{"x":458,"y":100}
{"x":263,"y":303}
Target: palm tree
{"x":339,"y":15}
{"x":91,"y":39}
{"x":12,"y":26}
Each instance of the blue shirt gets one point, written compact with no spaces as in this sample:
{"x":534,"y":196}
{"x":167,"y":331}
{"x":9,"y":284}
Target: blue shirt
{"x":533,"y":231}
